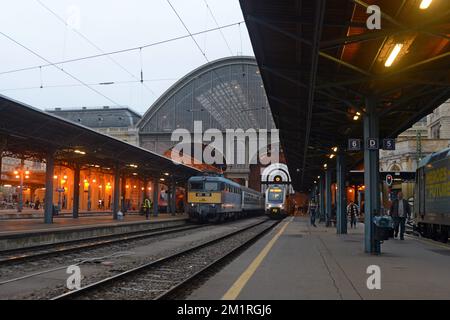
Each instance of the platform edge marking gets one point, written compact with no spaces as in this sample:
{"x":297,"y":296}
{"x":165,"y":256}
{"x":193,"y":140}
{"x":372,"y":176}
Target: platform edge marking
{"x":240,"y":283}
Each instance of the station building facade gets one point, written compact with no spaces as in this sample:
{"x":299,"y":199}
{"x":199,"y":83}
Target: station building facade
{"x":430,"y":134}
{"x":118,"y":122}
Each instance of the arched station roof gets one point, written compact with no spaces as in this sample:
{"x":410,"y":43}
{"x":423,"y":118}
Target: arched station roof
{"x":224,"y":94}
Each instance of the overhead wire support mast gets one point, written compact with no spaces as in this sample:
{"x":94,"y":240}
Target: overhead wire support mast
{"x":62,"y":70}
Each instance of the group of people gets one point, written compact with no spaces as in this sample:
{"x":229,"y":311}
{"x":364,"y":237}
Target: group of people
{"x":352,"y":212}
{"x":400,"y":211}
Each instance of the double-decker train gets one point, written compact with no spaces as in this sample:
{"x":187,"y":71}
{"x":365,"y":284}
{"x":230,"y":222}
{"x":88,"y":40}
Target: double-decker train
{"x":213,"y":198}
{"x":432,"y":196}
{"x":276,"y":201}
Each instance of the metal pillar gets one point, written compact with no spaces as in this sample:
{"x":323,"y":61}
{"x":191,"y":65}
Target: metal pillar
{"x":48,"y":208}
{"x":116,"y":192}
{"x":341,"y":203}
{"x":76,"y":192}
{"x":155,"y":197}
{"x":321,"y":199}
{"x":1,"y":161}
{"x":123,"y":192}
{"x":328,"y":197}
{"x":21,"y":173}
{"x":173,"y":198}
{"x":371,"y":176}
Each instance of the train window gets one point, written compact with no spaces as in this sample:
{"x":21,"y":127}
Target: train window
{"x":211,"y":186}
{"x":196,"y":185}
{"x":275,"y":195}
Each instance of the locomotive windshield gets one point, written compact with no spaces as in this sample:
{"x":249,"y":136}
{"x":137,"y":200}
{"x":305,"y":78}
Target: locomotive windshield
{"x":275,"y":195}
{"x":204,"y":186}
{"x":211,"y":186}
{"x":196,"y":185}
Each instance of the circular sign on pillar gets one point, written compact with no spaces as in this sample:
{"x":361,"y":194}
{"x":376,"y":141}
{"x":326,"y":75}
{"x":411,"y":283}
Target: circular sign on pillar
{"x":389,"y":179}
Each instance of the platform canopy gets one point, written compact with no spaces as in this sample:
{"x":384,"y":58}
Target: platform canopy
{"x":320,"y":62}
{"x":31,"y":133}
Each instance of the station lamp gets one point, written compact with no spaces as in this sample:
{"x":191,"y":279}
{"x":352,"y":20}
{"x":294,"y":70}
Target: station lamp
{"x":393,"y":55}
{"x":325,"y":165}
{"x":425,"y":4}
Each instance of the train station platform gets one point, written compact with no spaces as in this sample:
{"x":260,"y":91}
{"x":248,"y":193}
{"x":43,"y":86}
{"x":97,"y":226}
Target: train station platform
{"x":297,"y":261}
{"x":22,"y":233}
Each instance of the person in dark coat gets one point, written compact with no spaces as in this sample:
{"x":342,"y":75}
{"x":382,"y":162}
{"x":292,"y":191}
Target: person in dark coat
{"x":400,"y":210}
{"x":313,"y":208}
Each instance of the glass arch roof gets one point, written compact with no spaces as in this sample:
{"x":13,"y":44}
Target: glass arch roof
{"x":224,"y":94}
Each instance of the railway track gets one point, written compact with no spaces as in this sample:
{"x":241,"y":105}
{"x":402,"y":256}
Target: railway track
{"x":162,"y":278}
{"x":48,"y":250}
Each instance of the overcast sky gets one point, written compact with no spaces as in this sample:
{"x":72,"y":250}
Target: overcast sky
{"x":110,"y":25}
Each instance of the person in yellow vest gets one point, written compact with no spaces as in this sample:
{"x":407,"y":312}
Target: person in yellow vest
{"x":147,"y":207}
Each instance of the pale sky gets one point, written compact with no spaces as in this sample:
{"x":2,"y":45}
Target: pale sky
{"x":110,"y":25}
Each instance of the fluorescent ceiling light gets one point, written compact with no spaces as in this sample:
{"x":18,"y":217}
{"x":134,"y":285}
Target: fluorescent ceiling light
{"x":425,"y":4}
{"x":393,"y":55}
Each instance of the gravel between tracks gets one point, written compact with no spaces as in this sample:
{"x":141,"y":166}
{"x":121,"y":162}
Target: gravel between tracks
{"x":153,"y":281}
{"x":107,"y":254}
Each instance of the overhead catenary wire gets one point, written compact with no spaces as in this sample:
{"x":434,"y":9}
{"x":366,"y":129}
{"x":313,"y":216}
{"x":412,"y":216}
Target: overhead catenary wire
{"x":217,"y":24}
{"x":62,"y":70}
{"x":90,"y":84}
{"x":204,"y":55}
{"x":122,"y":50}
{"x":91,"y":43}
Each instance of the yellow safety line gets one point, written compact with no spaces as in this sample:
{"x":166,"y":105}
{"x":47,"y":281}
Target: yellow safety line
{"x":429,"y":241}
{"x":240,"y":283}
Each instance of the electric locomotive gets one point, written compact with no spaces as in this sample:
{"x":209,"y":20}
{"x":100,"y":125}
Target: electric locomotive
{"x":213,"y":198}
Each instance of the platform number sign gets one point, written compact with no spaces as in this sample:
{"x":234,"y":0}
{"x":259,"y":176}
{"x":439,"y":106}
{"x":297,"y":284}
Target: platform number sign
{"x":388,"y":144}
{"x":354,"y":144}
{"x":372,"y":144}
{"x":389,"y":179}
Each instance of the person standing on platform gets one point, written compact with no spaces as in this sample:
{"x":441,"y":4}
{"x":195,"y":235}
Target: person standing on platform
{"x":352,"y":211}
{"x":399,"y":211}
{"x":147,"y":207}
{"x":312,"y":208}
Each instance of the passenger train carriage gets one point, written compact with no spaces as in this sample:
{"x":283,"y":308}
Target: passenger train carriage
{"x":432,"y":196}
{"x":215,"y":199}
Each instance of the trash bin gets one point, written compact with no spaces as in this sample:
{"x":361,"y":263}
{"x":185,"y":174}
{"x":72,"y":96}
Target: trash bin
{"x":55,"y":210}
{"x":383,"y":227}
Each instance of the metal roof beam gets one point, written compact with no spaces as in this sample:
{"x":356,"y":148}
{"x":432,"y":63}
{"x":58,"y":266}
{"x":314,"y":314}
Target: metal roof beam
{"x":280,"y":30}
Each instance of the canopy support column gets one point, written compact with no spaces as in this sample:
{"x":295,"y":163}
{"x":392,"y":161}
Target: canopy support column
{"x":76,"y":191}
{"x":371,"y":176}
{"x":155,"y":197}
{"x":48,"y":206}
{"x":341,"y":203}
{"x":328,"y":197}
{"x":116,"y":191}
{"x":321,"y":199}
